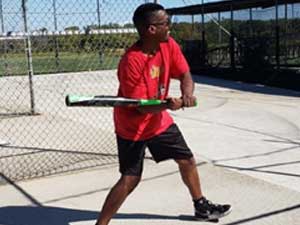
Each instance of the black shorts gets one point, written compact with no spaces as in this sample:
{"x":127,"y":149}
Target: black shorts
{"x":168,"y":145}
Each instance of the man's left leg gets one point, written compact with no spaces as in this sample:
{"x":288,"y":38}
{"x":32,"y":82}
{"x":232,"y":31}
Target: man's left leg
{"x":204,"y":209}
{"x":189,"y":174}
{"x":171,"y":145}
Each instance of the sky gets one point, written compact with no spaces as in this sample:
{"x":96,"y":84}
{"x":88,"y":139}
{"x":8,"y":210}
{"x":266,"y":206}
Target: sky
{"x":40,"y":13}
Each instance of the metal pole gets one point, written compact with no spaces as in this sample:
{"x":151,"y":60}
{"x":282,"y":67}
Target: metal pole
{"x":277,"y":37}
{"x":56,"y":47}
{"x":193,"y":25}
{"x":29,"y":56}
{"x":203,"y":49}
{"x":251,"y":21}
{"x":286,"y":31}
{"x":220,"y":30}
{"x":219,"y":36}
{"x":98,"y":13}
{"x":1,"y":17}
{"x":232,"y":44}
{"x":4,"y":41}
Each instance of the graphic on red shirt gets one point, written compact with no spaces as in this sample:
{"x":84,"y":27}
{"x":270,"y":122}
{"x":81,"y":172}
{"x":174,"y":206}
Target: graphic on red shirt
{"x":154,"y":71}
{"x":143,"y":77}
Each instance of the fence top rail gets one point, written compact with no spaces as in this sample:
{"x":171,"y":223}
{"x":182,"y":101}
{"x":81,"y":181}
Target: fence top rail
{"x":225,"y":6}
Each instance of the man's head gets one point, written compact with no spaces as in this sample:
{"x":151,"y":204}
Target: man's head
{"x":152,"y":19}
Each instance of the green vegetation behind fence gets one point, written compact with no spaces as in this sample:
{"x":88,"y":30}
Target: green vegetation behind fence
{"x":45,"y":63}
{"x":65,"y":53}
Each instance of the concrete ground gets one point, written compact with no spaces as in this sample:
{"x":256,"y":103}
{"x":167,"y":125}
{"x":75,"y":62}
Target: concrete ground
{"x":3,"y":142}
{"x":246,"y":139}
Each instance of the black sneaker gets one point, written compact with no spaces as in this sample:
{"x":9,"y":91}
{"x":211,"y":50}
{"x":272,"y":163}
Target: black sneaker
{"x":207,"y":211}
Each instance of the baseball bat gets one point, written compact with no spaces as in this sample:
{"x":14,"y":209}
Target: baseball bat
{"x":109,"y":101}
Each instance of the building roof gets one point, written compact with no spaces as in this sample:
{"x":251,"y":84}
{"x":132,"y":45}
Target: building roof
{"x":228,"y":5}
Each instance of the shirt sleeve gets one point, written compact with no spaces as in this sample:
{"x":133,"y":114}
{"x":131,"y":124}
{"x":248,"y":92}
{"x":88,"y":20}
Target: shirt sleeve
{"x":130,"y":75}
{"x":179,"y":65}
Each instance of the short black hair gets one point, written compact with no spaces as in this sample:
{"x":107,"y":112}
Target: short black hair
{"x":144,"y":12}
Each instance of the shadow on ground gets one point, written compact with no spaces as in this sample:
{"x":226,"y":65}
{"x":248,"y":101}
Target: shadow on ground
{"x":42,"y":215}
{"x":36,"y":215}
{"x":243,"y":86}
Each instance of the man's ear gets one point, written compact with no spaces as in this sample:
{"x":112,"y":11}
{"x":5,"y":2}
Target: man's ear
{"x":152,"y":29}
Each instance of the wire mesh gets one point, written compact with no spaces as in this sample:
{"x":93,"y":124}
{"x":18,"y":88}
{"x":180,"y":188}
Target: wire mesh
{"x":68,"y":47}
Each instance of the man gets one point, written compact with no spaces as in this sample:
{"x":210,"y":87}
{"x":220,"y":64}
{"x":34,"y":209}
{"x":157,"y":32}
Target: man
{"x":144,"y":73}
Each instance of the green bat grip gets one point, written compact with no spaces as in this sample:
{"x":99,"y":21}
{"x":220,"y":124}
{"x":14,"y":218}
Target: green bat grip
{"x":152,"y":102}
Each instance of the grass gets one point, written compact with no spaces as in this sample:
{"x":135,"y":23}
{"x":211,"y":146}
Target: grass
{"x":45,"y":63}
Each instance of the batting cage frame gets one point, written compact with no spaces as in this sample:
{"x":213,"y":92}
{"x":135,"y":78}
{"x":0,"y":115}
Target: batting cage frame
{"x":260,"y":38}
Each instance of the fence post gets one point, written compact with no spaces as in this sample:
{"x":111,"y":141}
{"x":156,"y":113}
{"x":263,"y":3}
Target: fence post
{"x":29,"y":57}
{"x":98,"y":14}
{"x":4,"y":41}
{"x":56,"y":47}
{"x":1,"y":17}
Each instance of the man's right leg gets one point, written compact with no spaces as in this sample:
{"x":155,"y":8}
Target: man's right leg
{"x":116,"y":197}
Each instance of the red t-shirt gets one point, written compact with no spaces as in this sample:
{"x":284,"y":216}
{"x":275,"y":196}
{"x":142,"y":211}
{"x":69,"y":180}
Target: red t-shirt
{"x":144,"y":77}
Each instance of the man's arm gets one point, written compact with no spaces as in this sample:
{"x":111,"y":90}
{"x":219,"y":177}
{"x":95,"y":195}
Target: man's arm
{"x":187,"y":99}
{"x":187,"y":90}
{"x":173,"y":104}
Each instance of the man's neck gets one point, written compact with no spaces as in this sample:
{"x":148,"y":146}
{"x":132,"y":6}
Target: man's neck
{"x":148,"y":47}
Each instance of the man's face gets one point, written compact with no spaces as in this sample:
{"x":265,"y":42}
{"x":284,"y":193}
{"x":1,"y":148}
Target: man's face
{"x":160,"y":25}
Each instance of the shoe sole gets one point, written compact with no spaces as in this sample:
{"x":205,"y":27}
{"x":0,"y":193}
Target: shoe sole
{"x":208,"y":220}
{"x":214,"y":218}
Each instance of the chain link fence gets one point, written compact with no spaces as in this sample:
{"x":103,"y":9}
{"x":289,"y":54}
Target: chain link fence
{"x":50,"y":49}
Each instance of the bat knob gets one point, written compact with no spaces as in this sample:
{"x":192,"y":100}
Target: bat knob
{"x":67,"y":100}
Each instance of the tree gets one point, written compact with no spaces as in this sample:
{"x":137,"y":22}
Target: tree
{"x":72,"y":28}
{"x":44,"y":30}
{"x":128,"y":25}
